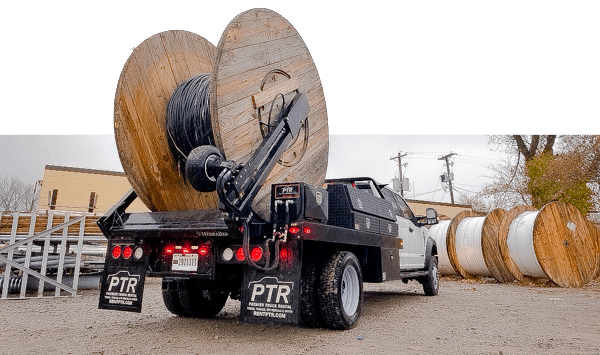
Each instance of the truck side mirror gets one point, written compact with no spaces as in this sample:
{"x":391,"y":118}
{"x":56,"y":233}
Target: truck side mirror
{"x":432,"y":216}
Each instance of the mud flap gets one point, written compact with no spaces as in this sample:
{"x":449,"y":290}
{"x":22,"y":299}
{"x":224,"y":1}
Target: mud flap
{"x":122,"y":285}
{"x":272,"y":297}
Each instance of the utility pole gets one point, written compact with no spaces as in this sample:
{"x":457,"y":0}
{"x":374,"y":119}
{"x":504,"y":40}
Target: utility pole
{"x":399,"y":157}
{"x":445,"y":157}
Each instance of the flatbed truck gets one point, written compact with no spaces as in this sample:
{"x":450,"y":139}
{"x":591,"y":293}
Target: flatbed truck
{"x":304,"y":265}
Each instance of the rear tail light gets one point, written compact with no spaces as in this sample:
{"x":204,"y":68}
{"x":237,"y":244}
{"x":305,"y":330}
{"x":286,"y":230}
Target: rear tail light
{"x":203,"y":250}
{"x":284,"y":254}
{"x":239,"y":254}
{"x":306,"y":230}
{"x":294,"y":230}
{"x":127,"y":252}
{"x":116,"y":252}
{"x":169,"y":249}
{"x":256,"y":253}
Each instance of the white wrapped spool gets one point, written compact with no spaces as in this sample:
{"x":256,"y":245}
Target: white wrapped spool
{"x":557,"y":243}
{"x":520,"y":245}
{"x":439,"y":233}
{"x":468,"y":246}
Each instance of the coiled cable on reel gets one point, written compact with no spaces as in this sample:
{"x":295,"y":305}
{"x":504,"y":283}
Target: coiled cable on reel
{"x":188,"y":119}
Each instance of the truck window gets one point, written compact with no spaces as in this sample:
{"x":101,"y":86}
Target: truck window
{"x":406,"y":211}
{"x":389,"y":195}
{"x":400,"y":205}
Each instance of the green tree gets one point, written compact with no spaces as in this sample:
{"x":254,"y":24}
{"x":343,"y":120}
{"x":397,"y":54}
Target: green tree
{"x":540,"y":169}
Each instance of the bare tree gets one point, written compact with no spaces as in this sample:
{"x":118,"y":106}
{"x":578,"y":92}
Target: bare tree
{"x":16,"y":195}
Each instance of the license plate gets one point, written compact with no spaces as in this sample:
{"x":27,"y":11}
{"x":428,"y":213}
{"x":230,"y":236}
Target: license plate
{"x":187,"y":262}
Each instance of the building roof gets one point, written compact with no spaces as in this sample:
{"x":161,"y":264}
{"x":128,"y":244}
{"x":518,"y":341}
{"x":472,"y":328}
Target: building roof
{"x":438,"y":203}
{"x":84,"y":170}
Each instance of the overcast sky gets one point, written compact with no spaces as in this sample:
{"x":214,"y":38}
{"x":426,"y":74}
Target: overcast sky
{"x":349,"y":155}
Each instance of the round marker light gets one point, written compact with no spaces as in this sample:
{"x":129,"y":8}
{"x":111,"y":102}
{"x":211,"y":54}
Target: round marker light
{"x":227,"y":254}
{"x":127,"y":252}
{"x":203,"y":250}
{"x":239,"y":254}
{"x":306,"y":230}
{"x":116,"y":252}
{"x":256,"y":253}
{"x":139,"y":252}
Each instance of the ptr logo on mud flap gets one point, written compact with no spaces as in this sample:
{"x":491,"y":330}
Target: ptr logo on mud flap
{"x":270,"y":298}
{"x":122,"y":288}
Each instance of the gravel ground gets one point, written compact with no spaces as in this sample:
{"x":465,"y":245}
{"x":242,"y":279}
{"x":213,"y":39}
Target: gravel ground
{"x":467,"y":317}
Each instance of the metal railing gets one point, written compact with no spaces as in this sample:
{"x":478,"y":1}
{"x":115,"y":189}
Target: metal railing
{"x":30,"y":256}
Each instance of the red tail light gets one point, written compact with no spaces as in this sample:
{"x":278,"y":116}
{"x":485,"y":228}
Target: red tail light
{"x":239,"y":254}
{"x":116,"y":252}
{"x":127,"y":252}
{"x":284,"y":254}
{"x":185,"y":250}
{"x":169,"y":249}
{"x":306,"y":230}
{"x":294,"y":230}
{"x":203,"y":250}
{"x":256,"y":253}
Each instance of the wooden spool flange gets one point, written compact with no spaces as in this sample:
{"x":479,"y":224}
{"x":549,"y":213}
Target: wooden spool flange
{"x":509,"y":217}
{"x":259,"y":56}
{"x":451,"y":242}
{"x":565,"y":243}
{"x":491,"y":248}
{"x":152,"y":72}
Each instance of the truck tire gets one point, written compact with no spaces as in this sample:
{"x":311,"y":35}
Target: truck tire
{"x":173,"y":304}
{"x":340,"y":295}
{"x":202,"y":303}
{"x":197,"y":170}
{"x":431,"y":282}
{"x":309,"y":295}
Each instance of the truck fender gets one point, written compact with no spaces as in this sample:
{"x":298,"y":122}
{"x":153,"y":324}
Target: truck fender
{"x":430,"y":251}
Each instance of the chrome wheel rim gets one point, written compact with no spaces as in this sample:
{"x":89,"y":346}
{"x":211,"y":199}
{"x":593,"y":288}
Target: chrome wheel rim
{"x":350,"y":291}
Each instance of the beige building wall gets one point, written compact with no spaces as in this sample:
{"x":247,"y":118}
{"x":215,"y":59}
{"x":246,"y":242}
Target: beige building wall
{"x":448,"y":210}
{"x":72,"y":188}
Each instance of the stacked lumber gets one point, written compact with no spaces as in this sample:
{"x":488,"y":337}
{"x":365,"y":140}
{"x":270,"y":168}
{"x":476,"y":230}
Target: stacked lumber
{"x":41,"y":224}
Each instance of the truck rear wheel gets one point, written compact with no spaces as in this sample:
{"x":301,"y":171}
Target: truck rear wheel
{"x":202,"y":303}
{"x":173,"y":304}
{"x":340,"y":295}
{"x":309,"y":295}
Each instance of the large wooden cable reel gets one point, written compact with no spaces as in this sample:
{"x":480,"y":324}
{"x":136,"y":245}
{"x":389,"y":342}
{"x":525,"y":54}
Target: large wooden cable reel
{"x":259,"y":64}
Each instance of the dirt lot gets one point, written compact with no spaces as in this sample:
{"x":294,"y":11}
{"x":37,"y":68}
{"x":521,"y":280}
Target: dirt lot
{"x":466,"y":317}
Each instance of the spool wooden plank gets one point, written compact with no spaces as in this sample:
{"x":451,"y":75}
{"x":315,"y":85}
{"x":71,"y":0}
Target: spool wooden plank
{"x":255,"y":43}
{"x":451,"y":242}
{"x":508,"y":218}
{"x":151,"y":74}
{"x":491,"y":247}
{"x":565,"y":243}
